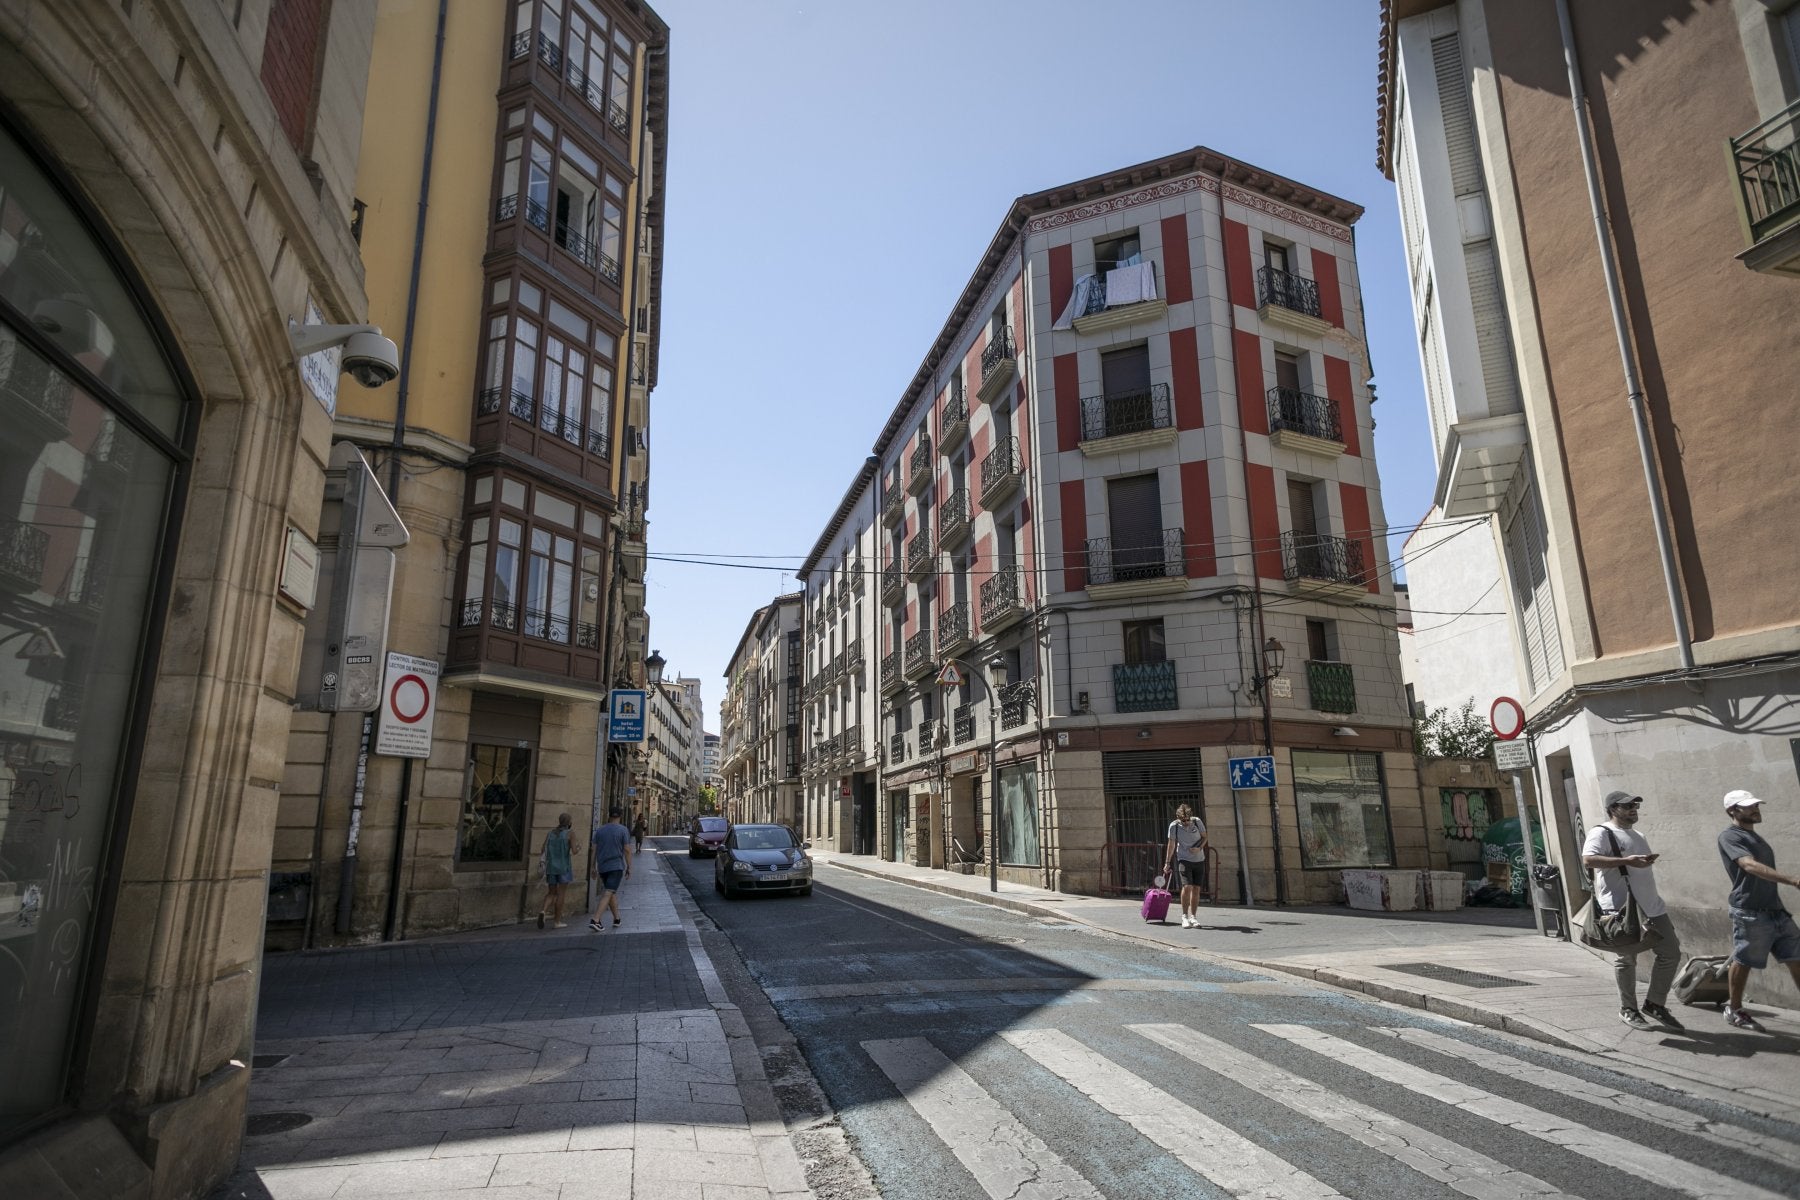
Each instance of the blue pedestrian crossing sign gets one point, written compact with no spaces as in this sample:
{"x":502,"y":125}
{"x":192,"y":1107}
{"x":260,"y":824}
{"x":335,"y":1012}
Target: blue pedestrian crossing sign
{"x":1248,"y":774}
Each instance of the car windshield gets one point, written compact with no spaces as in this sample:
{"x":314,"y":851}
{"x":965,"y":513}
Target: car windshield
{"x":763,"y":837}
{"x":713,"y":824}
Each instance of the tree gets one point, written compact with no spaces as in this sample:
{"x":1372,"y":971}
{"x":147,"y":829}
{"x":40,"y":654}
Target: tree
{"x":1464,"y":733}
{"x":709,"y":799}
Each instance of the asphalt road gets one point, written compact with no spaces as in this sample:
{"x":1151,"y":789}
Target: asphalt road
{"x":970,"y":1051}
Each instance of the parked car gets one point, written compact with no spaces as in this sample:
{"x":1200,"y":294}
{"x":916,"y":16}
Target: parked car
{"x":706,"y":835}
{"x":763,"y":858}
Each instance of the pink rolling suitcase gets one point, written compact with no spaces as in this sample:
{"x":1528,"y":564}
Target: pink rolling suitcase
{"x":1156,"y":905}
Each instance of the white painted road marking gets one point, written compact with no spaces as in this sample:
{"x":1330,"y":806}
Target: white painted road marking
{"x":1653,"y":1166}
{"x":1007,"y":1159}
{"x":1438,"y":1158}
{"x":1233,"y":1162}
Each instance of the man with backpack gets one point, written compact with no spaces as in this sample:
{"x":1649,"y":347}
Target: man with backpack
{"x":1759,"y":923}
{"x":1621,"y":861}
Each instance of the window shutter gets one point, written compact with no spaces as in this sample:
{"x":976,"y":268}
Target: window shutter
{"x":1459,"y":121}
{"x":1528,"y":565}
{"x":1300,"y":508}
{"x":1492,"y":337}
{"x":1135,"y":506}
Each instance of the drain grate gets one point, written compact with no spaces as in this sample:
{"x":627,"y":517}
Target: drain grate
{"x":262,"y":1124}
{"x":261,"y":1061}
{"x":1455,"y":975}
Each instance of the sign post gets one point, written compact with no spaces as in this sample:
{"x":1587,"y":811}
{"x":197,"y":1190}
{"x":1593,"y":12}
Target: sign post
{"x":1248,"y":775}
{"x":1506,"y":717}
{"x":408,"y":705}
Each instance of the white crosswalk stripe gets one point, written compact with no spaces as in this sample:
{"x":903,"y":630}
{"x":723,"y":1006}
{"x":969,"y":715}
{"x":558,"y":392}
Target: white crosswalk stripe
{"x":1571,"y":1087}
{"x":1465,"y":1170}
{"x":1653,"y":1166}
{"x":1007,"y":1159}
{"x":1233,"y":1162}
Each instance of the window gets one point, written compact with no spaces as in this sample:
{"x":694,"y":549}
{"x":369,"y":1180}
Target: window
{"x":624,"y":50}
{"x":1287,"y":371}
{"x":1303,"y":516}
{"x":1120,"y":251}
{"x":1275,"y":256}
{"x":493,"y":574}
{"x":1528,"y":569}
{"x":1134,"y":510}
{"x":493,"y":815}
{"x":1321,"y":641}
{"x":1343,"y":810}
{"x":1018,"y":815}
{"x":549,"y":582}
{"x":1144,"y":642}
{"x":555,"y":379}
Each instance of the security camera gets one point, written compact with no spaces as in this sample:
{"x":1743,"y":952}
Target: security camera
{"x":370,"y":358}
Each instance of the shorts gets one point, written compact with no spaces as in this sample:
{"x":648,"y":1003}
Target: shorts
{"x":1757,"y":931}
{"x":610,"y":880}
{"x":1193,"y":874}
{"x":558,"y":877}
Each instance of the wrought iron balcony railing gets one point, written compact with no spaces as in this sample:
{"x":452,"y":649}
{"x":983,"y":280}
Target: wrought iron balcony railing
{"x":919,"y":653}
{"x":550,"y":626}
{"x":1165,"y":558}
{"x":618,"y":116}
{"x":62,"y":711}
{"x":566,"y":426}
{"x":43,"y":390}
{"x":1017,"y":702}
{"x":1000,"y":350}
{"x":520,"y":404}
{"x":893,"y":583}
{"x":928,"y":737}
{"x":920,"y":466}
{"x":962,"y":725}
{"x":1767,"y":161}
{"x":1000,"y":469}
{"x":1288,"y":290}
{"x":891,"y":678}
{"x":953,"y":628}
{"x":1117,"y":413}
{"x":893,"y":504}
{"x":850,"y":742}
{"x":953,"y":518}
{"x":587,"y":635}
{"x":1303,"y":412}
{"x":22,"y":550}
{"x":856,"y":577}
{"x":1321,"y":556}
{"x":897,"y":748}
{"x":535,"y":213}
{"x":1001,"y":594}
{"x":114,"y":447}
{"x":919,"y":557}
{"x":1332,"y":686}
{"x":955,"y":421}
{"x":1144,"y":687}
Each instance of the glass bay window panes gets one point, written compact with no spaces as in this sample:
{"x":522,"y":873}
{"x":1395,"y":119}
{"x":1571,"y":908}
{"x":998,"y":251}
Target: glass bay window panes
{"x":1342,"y":809}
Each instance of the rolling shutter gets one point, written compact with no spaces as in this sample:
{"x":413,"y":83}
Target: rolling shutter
{"x":1134,"y":505}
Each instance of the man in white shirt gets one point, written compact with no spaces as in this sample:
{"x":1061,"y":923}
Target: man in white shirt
{"x":1620,"y":859}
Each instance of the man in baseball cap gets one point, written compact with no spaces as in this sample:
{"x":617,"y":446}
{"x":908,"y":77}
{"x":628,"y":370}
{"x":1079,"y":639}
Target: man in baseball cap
{"x":1621,"y":860}
{"x":1759,"y":923}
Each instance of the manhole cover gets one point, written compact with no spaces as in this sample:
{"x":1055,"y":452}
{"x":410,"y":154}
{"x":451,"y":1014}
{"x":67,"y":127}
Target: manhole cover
{"x":268,"y":1060}
{"x":978,"y":937}
{"x":261,"y":1124}
{"x":1455,"y":975}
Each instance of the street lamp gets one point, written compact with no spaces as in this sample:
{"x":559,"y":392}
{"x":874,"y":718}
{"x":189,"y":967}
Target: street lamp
{"x":995,"y":681}
{"x":653,"y":667}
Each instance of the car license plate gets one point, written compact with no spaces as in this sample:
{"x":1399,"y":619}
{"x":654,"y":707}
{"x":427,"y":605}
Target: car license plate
{"x":776,"y":875}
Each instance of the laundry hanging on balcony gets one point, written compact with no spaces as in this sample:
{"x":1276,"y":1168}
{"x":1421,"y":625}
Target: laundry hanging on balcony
{"x":1131,"y":282}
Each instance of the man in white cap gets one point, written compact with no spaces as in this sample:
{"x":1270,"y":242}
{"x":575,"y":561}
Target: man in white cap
{"x":1759,"y":924}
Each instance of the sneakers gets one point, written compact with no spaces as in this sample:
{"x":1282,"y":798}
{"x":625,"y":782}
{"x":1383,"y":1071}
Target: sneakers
{"x":1737,"y":1018}
{"x":1662,"y":1016}
{"x":1186,"y":921}
{"x":562,"y":924}
{"x":540,"y":920}
{"x":596,"y":927}
{"x":1635,"y":1019}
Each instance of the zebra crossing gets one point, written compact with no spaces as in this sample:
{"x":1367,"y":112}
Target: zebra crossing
{"x":1007,"y":1158}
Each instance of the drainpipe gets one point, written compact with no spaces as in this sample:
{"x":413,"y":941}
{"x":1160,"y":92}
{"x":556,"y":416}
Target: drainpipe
{"x":1259,"y":637}
{"x":1634,"y":388}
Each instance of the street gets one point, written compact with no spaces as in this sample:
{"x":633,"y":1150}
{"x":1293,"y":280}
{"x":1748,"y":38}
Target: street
{"x":970,"y":1051}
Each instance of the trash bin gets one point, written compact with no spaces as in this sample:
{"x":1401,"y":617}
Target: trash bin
{"x":1546,"y":893}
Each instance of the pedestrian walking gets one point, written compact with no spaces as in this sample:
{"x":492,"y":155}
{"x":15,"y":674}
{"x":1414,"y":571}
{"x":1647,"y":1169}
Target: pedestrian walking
{"x":556,"y":862}
{"x":639,"y":828}
{"x":612,"y":865}
{"x":1759,"y":924}
{"x":1623,"y":867}
{"x":1187,"y":853}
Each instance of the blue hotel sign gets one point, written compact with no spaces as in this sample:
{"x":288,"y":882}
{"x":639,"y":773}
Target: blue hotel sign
{"x":625,"y":715}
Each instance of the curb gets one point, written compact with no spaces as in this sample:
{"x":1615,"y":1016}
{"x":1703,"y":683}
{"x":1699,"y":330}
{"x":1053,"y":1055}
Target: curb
{"x":1443,"y":1006}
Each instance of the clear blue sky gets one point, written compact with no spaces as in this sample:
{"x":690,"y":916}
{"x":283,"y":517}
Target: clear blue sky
{"x":835,"y":170}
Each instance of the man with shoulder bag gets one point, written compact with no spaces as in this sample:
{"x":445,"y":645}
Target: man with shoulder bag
{"x":1624,"y":878}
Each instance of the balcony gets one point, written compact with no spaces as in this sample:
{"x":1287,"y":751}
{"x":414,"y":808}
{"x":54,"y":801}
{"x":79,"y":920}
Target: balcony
{"x":928,"y":738}
{"x":1302,"y":421}
{"x":22,"y":550}
{"x":850,"y":744}
{"x":919,"y":660}
{"x":1119,"y":421}
{"x":856,"y":577}
{"x":920,"y":477}
{"x":1284,"y":298}
{"x":962,"y":726}
{"x":953,"y":426}
{"x":920,"y":561}
{"x":1152,"y":568}
{"x":893,"y":505}
{"x":1018,"y":701}
{"x":1767,"y":163}
{"x":853,"y":662}
{"x":953,"y":520}
{"x":1002,"y":600}
{"x":896,"y":748}
{"x":1144,"y":687}
{"x":62,"y":711}
{"x":999,"y":365}
{"x":891,"y":678}
{"x":1331,"y":687}
{"x":40,"y":390}
{"x":953,"y":630}
{"x":1116,"y":310}
{"x":893,"y":584}
{"x":1322,"y":564}
{"x":1001,"y":471}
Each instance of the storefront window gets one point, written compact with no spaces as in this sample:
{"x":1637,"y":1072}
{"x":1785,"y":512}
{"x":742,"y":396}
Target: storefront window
{"x":1343,"y":810}
{"x":1018,"y":816}
{"x":493,"y":817}
{"x":83,"y":501}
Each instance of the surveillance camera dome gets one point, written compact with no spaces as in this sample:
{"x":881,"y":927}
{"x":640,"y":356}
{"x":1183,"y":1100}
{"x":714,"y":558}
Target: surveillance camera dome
{"x":371,"y":360}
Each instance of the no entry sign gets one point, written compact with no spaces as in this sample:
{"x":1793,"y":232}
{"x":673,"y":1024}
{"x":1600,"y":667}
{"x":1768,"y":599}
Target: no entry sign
{"x":1506,"y":718}
{"x":408,"y":704}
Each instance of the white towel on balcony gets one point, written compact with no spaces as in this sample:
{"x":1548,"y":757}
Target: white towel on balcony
{"x":1130,"y":285}
{"x":1077,"y":303}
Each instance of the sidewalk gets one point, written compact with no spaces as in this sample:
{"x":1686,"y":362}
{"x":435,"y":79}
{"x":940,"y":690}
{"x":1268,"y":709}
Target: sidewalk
{"x":1488,"y":967}
{"x":514,"y":1064}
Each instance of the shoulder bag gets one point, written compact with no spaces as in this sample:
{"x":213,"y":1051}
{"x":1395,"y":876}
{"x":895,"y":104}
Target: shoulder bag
{"x":1619,"y":932}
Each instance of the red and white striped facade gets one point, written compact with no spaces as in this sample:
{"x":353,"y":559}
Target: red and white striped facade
{"x":1206,"y":224}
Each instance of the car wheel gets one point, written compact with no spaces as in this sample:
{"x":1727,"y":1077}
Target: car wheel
{"x":693,"y":853}
{"x":806,"y":891}
{"x":731,"y":893}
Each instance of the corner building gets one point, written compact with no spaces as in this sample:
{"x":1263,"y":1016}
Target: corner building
{"x":513,"y":447}
{"x":1138,"y":454}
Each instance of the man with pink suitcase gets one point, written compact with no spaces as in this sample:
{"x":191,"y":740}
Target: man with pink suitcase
{"x":1186,"y":854}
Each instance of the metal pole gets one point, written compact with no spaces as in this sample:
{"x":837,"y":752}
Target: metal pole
{"x":600,"y":767}
{"x":1237,"y":811}
{"x":347,"y":870}
{"x":1537,"y":914}
{"x":993,"y":804}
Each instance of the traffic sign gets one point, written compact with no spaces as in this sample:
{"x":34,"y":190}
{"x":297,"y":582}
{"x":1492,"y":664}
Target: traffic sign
{"x":1506,"y":718}
{"x":951,"y":675}
{"x":1512,"y":756}
{"x":625,"y":715}
{"x":408,"y":704}
{"x":1249,"y":774}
